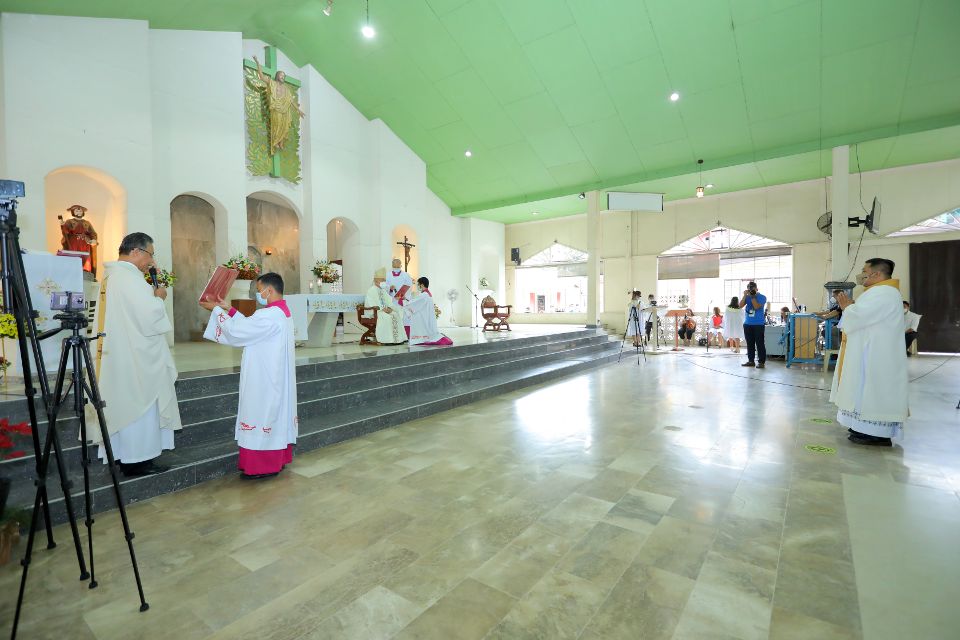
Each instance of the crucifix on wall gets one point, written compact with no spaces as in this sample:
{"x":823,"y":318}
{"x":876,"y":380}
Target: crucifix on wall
{"x":406,"y":251}
{"x":276,"y":93}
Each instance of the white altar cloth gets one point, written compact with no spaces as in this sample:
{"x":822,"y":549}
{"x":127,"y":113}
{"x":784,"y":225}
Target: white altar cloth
{"x":315,"y":315}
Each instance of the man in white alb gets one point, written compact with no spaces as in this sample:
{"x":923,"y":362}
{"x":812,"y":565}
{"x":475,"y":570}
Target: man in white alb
{"x":423,"y":318}
{"x":267,"y":416}
{"x":389,"y":314}
{"x":135,"y":369}
{"x":397,"y":279}
{"x":870,"y":383}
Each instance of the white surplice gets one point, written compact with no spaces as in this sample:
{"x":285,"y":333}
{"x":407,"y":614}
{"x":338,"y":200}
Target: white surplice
{"x":389,"y":325}
{"x":396,"y":280}
{"x":423,"y":319}
{"x":267,"y":414}
{"x":870,"y":382}
{"x":136,"y":373}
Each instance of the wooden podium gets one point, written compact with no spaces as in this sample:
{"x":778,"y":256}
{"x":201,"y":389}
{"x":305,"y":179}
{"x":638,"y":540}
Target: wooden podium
{"x":676,"y":314}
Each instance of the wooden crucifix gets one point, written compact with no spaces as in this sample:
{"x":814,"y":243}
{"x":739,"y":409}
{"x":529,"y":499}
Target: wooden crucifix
{"x":281,"y":102}
{"x":406,"y":252}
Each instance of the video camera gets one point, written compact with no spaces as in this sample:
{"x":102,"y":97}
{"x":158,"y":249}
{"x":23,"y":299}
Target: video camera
{"x":67,"y":301}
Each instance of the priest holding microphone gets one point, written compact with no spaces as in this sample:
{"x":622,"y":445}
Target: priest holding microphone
{"x":267,"y":421}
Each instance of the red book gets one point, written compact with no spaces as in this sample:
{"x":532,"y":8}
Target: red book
{"x":219,"y":284}
{"x":402,"y":293}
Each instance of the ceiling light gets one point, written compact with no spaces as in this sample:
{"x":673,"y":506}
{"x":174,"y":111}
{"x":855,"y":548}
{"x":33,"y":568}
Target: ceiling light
{"x":582,"y":195}
{"x":699,"y":192}
{"x":709,"y":186}
{"x":468,"y":153}
{"x":700,"y":181}
{"x":674,"y":96}
{"x":329,"y":8}
{"x":367,"y":30}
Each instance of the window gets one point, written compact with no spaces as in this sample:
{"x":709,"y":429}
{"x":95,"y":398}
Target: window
{"x":552,"y":281}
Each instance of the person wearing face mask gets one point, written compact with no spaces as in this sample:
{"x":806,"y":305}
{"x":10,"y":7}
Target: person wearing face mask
{"x":754,"y":321}
{"x":267,"y":423}
{"x":423,"y":318}
{"x":135,"y":369}
{"x":389,"y":314}
{"x":870,"y":381}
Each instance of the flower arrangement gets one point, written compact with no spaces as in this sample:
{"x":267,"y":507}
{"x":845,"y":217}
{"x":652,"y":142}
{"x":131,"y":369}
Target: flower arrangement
{"x":8,"y":325}
{"x":484,"y":283}
{"x":325,"y":271}
{"x":9,"y":433}
{"x":248,"y":269}
{"x":164,"y":278}
{"x":436,"y":311}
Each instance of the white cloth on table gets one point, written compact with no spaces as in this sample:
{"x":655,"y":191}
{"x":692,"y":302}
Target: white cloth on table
{"x":267,"y":414}
{"x":733,"y":324}
{"x":139,"y":441}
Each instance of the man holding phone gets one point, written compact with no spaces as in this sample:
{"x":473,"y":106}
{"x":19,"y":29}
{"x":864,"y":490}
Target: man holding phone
{"x":753,"y":304}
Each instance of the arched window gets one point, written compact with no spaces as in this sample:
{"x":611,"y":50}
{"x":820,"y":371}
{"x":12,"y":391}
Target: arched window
{"x":552,"y":281}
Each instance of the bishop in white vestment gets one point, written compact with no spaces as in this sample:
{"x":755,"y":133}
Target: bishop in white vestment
{"x":266,"y":428}
{"x":870,"y":382}
{"x":390,"y":315}
{"x":397,"y":279}
{"x":135,"y":369}
{"x":421,"y":311}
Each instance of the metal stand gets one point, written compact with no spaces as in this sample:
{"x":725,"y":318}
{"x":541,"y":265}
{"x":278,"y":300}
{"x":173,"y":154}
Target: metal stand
{"x":635,"y":320}
{"x":479,"y":313}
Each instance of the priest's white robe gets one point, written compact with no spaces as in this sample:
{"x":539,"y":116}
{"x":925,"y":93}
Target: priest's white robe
{"x":423,"y":321}
{"x":396,"y":279}
{"x":870,"y":382}
{"x":267,"y":413}
{"x":389,"y":325}
{"x":135,"y":370}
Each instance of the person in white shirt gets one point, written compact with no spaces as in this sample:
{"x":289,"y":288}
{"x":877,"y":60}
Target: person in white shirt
{"x":911,"y":322}
{"x":733,"y":324}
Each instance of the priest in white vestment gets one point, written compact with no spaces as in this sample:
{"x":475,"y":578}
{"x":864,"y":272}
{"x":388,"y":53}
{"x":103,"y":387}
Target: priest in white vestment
{"x":397,"y":279}
{"x":421,"y":311}
{"x":870,"y":382}
{"x":389,"y":315}
{"x":267,"y":422}
{"x":135,"y":369}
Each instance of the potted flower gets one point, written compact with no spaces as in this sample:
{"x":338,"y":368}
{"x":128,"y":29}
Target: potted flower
{"x":165,"y":278}
{"x":8,"y":329}
{"x":10,"y":435}
{"x":327,"y":274}
{"x":249,"y":270}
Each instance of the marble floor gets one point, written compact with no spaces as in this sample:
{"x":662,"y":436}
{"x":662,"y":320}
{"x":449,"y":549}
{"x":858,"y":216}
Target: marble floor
{"x":674,"y":499}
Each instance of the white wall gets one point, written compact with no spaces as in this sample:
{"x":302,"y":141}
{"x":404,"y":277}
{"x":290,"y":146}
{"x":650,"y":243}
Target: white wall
{"x":161,"y":111}
{"x":787,"y":213}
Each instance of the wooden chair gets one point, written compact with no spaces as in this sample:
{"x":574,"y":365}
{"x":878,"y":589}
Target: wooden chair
{"x":369,"y":323}
{"x":496,"y":316}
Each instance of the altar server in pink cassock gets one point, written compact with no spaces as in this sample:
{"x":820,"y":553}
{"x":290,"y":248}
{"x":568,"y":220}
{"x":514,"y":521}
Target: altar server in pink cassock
{"x":267,"y":416}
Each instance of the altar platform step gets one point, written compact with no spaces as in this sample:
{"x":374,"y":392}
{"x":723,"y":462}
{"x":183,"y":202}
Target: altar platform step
{"x":337,"y":400}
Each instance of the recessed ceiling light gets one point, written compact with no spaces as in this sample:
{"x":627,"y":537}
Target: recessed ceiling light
{"x":674,"y":96}
{"x":533,"y":213}
{"x":468,"y":153}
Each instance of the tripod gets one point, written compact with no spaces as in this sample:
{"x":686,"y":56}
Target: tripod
{"x":634,"y":321}
{"x":83,"y":385}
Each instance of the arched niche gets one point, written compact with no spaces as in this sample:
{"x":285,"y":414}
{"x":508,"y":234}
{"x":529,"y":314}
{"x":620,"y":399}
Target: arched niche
{"x":193,"y":231}
{"x":398,"y":234}
{"x":273,"y":236}
{"x":343,"y":245}
{"x":102,"y":195}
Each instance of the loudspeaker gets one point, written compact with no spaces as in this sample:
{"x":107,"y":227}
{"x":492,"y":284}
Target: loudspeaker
{"x":515,"y":255}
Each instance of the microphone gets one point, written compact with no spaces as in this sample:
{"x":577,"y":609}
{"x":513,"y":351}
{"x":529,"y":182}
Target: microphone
{"x":153,"y":277}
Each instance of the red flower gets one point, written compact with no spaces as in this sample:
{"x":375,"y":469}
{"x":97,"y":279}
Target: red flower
{"x":22,"y":428}
{"x":5,"y":441}
{"x":14,"y":454}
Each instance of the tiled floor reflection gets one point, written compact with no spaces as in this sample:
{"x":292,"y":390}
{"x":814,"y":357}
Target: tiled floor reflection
{"x":675,"y":499}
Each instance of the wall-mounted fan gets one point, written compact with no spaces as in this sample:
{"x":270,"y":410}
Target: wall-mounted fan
{"x":825,"y":222}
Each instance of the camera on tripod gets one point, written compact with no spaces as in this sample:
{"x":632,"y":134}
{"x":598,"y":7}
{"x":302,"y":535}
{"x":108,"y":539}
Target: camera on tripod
{"x":67,"y":301}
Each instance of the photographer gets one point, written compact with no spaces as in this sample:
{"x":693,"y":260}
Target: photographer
{"x":753,"y":304}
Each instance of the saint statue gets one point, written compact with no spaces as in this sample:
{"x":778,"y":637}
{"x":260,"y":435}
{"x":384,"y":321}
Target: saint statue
{"x":79,"y":235}
{"x":281,"y":103}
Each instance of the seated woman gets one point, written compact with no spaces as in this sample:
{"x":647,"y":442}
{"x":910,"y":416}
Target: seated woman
{"x":423,"y":318}
{"x":688,"y":327}
{"x":716,"y":330}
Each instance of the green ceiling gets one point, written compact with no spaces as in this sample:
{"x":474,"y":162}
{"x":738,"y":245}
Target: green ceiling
{"x":558,"y":96}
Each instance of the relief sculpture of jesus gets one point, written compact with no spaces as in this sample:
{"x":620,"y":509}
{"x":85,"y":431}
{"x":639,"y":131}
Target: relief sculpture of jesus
{"x":281,"y":103}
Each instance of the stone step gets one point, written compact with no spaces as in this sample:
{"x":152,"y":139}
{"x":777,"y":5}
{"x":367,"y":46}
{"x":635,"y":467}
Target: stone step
{"x":208,"y":450}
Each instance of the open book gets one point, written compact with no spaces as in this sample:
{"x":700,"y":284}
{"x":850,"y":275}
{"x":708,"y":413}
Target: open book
{"x":218,"y":287}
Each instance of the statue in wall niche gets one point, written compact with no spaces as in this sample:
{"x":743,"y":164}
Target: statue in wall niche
{"x":79,"y":235}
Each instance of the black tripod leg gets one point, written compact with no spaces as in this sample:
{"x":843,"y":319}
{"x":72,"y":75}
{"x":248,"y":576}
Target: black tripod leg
{"x":112,"y":464}
{"x":78,"y":404}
